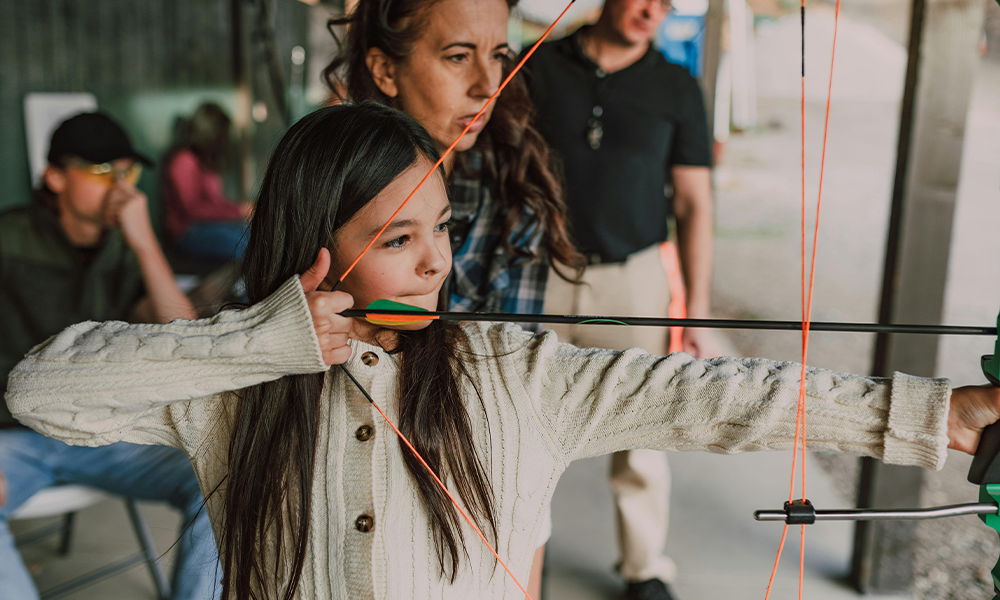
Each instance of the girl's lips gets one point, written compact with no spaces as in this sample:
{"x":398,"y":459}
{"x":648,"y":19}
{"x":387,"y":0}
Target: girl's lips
{"x":476,"y":127}
{"x":421,"y":300}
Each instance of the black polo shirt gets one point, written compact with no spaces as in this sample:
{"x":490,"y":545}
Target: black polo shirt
{"x":47,"y":284}
{"x":652,"y":118}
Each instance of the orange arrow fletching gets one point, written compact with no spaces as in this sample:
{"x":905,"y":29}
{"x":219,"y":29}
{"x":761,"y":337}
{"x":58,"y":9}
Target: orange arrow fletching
{"x":390,"y":320}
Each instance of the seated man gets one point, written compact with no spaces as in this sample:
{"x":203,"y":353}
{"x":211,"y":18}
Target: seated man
{"x":85,"y":250}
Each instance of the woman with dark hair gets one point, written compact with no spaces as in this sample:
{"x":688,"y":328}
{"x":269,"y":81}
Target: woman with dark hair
{"x":439,"y":61}
{"x":312,"y":495}
{"x":201,"y":221}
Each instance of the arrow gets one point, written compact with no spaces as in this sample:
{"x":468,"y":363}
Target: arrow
{"x":388,"y":312}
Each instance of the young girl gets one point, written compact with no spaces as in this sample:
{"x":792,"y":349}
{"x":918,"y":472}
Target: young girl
{"x":310,"y":492}
{"x":439,"y":61}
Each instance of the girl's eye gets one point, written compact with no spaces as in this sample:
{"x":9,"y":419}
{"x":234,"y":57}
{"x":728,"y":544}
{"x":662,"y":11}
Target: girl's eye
{"x":457,"y":58}
{"x":443,"y":227}
{"x":500,"y":56}
{"x":397,"y":243}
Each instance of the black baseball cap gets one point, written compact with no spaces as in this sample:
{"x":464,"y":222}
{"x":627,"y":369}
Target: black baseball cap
{"x":95,"y":137}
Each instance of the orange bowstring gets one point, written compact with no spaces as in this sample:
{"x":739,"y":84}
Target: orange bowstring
{"x":452,"y":498}
{"x":807,"y":297}
{"x":434,"y":475}
{"x":437,"y":164}
{"x":450,"y":148}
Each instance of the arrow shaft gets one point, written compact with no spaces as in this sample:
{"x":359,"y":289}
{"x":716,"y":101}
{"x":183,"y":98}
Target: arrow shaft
{"x":669,"y":322}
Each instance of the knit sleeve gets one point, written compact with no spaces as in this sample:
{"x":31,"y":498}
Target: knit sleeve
{"x":597,"y":402}
{"x":99,"y":383}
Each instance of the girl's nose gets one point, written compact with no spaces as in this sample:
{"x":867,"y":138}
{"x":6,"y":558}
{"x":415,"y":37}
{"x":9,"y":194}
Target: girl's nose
{"x":434,"y":261}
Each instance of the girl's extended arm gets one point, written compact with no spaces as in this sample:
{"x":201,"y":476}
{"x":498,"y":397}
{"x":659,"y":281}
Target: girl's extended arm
{"x":596,"y":402}
{"x":94,"y":382}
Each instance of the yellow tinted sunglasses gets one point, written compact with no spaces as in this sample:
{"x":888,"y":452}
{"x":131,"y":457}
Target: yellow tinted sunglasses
{"x":106,"y":173}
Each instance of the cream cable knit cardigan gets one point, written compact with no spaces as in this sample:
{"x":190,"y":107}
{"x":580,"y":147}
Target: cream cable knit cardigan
{"x":546,"y":404}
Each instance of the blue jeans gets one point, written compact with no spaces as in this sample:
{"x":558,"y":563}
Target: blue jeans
{"x":32,"y":462}
{"x":222,"y":241}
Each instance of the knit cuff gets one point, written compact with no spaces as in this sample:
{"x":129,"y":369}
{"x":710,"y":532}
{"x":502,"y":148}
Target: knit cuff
{"x":918,"y":422}
{"x":286,"y":332}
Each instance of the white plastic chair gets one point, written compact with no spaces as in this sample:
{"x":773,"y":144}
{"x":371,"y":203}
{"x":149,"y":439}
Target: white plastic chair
{"x":65,"y":501}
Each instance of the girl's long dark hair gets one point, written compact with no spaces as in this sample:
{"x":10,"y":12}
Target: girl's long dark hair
{"x":323,"y":171}
{"x":515,"y":154}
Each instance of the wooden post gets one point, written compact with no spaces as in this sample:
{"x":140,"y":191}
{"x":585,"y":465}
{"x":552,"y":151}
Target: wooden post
{"x":943,"y":59}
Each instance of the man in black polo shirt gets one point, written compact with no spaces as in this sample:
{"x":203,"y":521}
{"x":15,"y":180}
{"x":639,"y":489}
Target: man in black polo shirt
{"x":85,"y":250}
{"x":629,"y":128}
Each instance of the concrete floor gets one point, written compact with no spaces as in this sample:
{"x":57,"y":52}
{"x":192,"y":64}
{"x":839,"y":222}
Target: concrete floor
{"x":720,"y":551}
{"x":102,"y":535}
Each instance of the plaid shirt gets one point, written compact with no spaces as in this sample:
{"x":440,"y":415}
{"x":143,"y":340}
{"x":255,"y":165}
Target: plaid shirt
{"x":485,"y":276}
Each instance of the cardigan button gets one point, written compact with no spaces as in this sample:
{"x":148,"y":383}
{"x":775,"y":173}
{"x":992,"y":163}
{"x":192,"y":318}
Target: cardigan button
{"x":364,"y":523}
{"x":370,"y":359}
{"x":364,"y":433}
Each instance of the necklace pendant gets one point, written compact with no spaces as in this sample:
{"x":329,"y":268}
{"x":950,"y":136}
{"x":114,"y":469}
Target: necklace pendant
{"x":595,"y":132}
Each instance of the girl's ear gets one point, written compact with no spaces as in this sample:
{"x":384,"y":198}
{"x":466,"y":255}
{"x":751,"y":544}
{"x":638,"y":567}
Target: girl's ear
{"x":55,"y":179}
{"x":383,"y":71}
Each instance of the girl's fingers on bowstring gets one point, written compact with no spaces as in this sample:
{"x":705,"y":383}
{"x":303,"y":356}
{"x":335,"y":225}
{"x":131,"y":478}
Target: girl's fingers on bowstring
{"x":331,"y":329}
{"x":337,"y":355}
{"x":973,"y":408}
{"x":334,"y":347}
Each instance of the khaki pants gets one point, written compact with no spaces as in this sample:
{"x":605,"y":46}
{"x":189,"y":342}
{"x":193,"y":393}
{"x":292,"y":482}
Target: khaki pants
{"x":640,"y":479}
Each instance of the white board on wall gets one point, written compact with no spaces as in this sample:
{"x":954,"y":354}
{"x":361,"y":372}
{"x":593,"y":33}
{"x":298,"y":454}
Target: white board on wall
{"x":42,"y":114}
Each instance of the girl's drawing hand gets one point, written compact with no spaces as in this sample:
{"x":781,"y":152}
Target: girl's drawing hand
{"x":325,"y":307}
{"x":973,"y":407}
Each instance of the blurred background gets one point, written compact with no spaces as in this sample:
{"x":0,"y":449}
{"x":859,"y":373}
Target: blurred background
{"x":151,"y":63}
